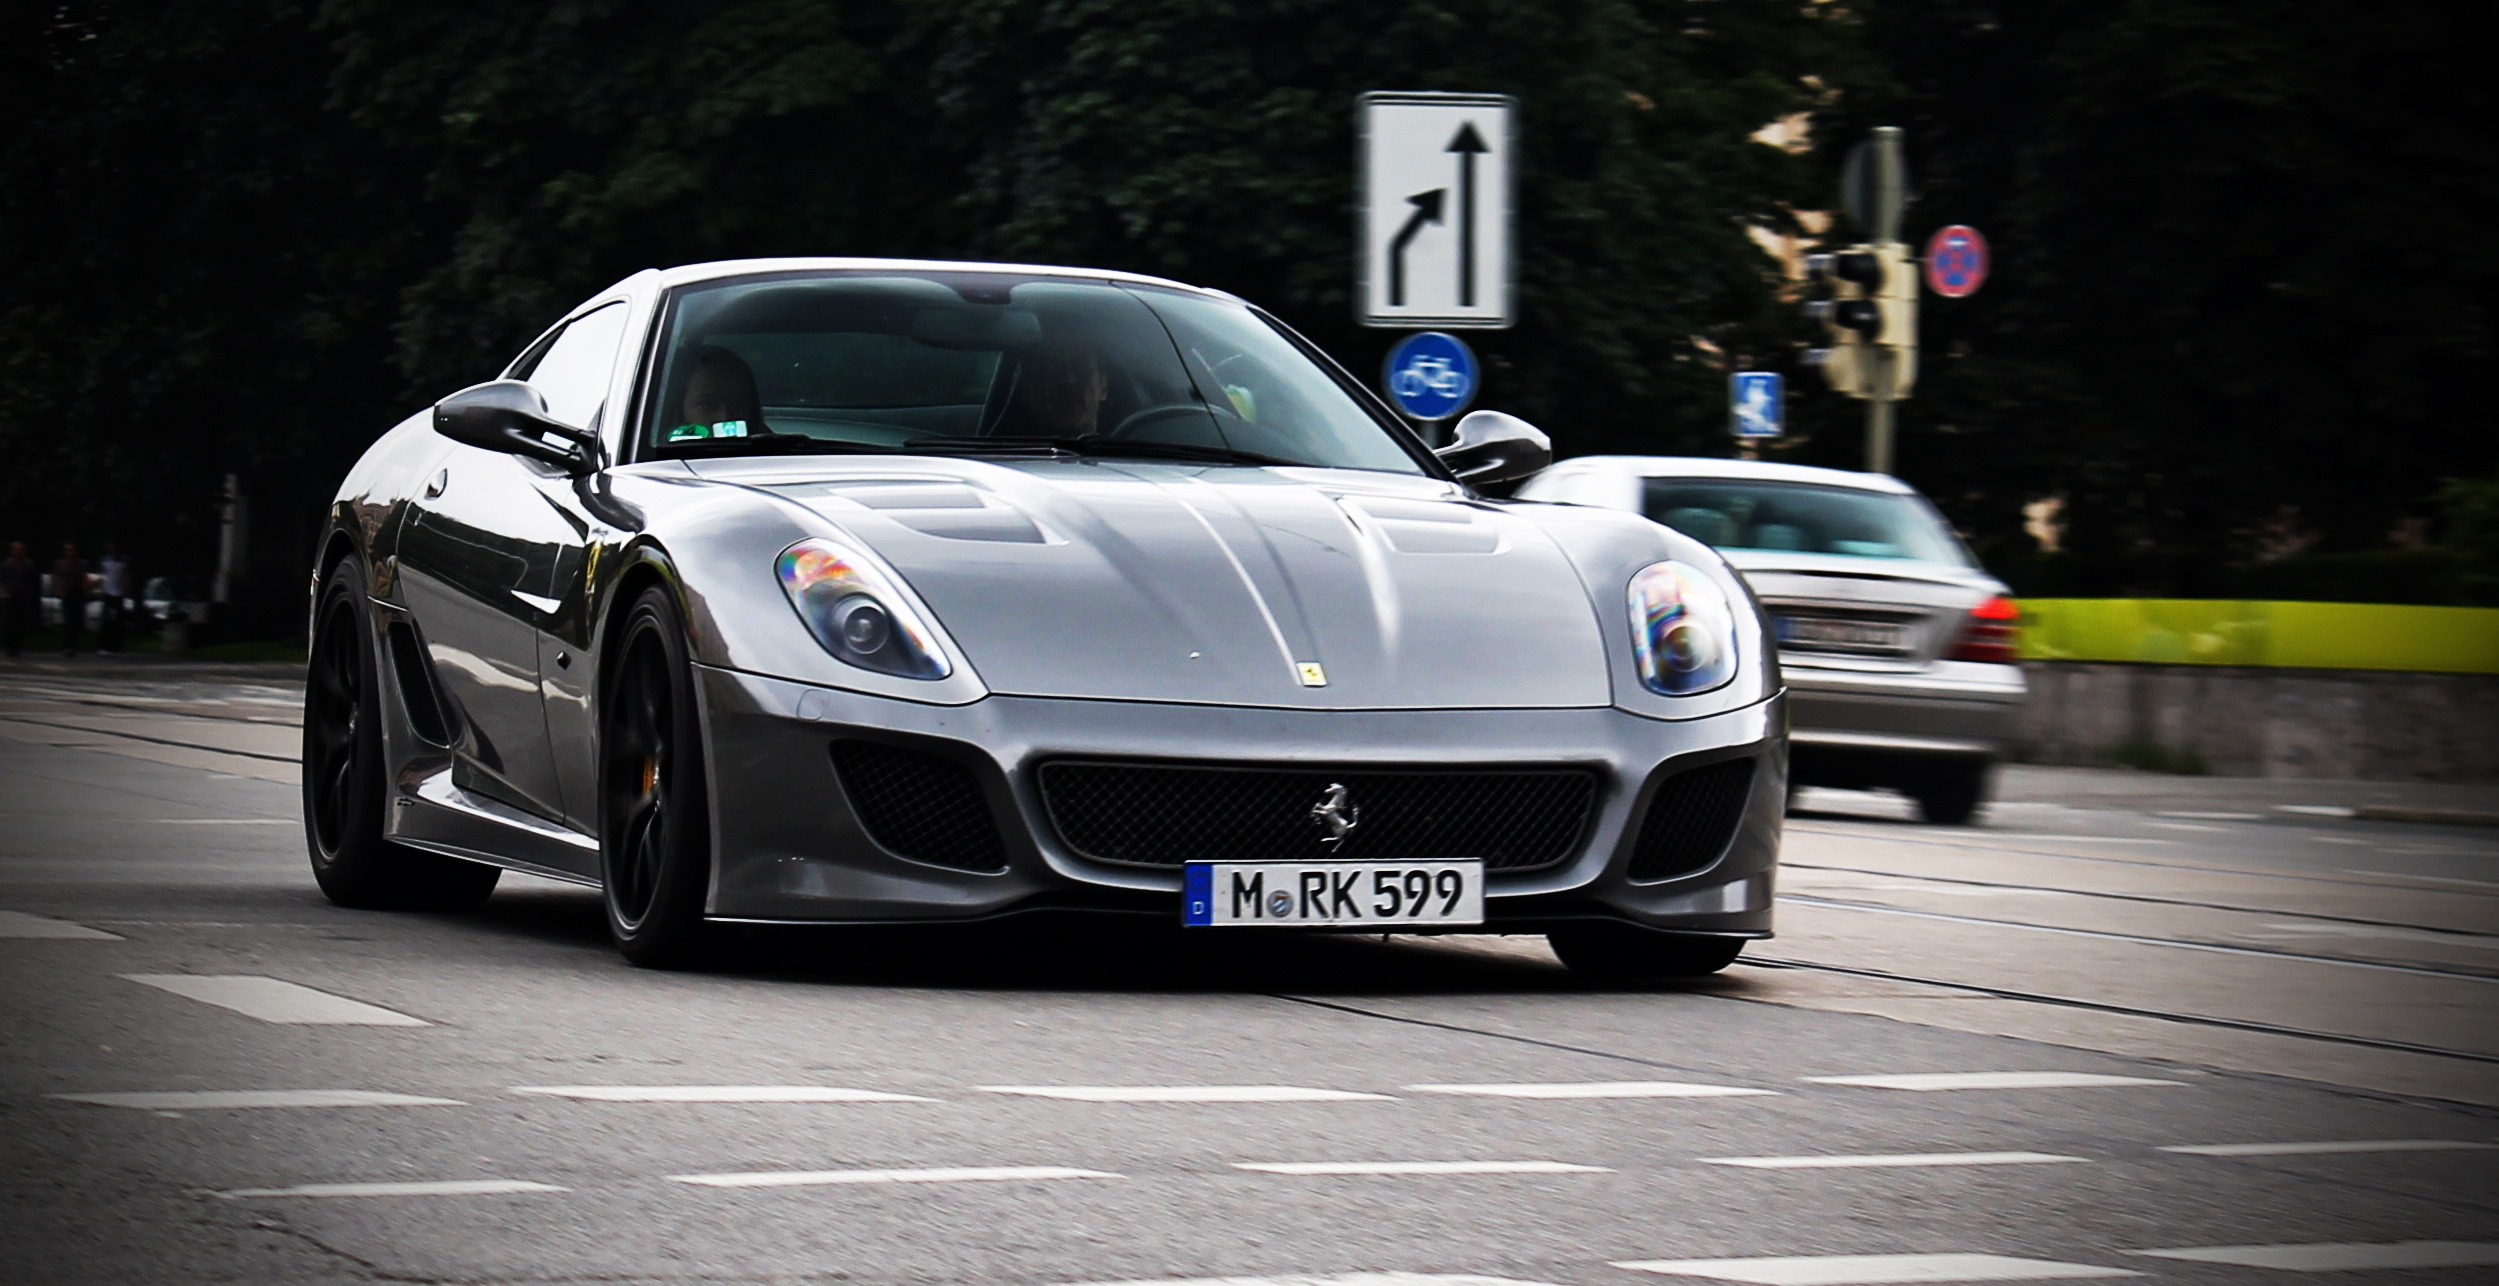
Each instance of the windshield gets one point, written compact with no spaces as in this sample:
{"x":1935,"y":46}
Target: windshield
{"x":960,"y":363}
{"x":1802,"y":518}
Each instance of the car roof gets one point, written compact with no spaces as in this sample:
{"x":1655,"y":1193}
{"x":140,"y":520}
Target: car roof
{"x":1691,"y":466}
{"x":684,"y":274}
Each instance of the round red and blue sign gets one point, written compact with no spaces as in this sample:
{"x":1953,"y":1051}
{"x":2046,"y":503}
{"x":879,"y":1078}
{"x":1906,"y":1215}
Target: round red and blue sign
{"x":1956,"y":261}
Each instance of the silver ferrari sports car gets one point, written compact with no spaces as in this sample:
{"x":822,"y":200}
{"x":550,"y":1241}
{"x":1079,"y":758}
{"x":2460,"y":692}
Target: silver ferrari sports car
{"x":855,"y":591}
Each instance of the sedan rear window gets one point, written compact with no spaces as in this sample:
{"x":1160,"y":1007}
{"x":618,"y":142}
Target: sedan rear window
{"x":1727,"y":513}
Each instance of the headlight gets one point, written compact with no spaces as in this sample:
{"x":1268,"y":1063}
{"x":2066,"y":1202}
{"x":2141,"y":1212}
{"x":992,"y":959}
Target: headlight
{"x":856,"y":614}
{"x":1682,"y":629}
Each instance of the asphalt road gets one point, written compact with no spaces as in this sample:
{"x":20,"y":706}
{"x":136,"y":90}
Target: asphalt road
{"x":2245,"y":1045}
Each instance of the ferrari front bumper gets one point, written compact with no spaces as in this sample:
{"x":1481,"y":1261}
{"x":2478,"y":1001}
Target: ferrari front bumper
{"x":791,"y":846}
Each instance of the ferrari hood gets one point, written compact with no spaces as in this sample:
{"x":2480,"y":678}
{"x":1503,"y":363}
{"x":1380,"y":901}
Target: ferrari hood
{"x":1288,"y":587}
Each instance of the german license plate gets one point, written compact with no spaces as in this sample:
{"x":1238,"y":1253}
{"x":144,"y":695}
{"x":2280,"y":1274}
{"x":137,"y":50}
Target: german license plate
{"x":1829,"y":632}
{"x":1365,"y":895}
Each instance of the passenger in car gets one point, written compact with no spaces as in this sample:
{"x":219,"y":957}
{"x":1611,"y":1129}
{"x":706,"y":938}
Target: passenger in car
{"x":720,"y":400}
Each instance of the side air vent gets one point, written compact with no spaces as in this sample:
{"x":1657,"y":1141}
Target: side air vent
{"x":416,"y":685}
{"x":1692,"y":817}
{"x":921,"y":806}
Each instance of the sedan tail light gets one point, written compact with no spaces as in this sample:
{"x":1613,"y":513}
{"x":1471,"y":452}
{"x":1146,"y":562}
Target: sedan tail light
{"x":1991,"y":634}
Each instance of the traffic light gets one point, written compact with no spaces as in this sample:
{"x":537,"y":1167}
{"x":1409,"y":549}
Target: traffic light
{"x":1870,"y":318}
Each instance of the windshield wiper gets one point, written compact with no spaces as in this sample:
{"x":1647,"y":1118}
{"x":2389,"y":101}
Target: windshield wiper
{"x":1091,"y":448}
{"x":774,"y":444}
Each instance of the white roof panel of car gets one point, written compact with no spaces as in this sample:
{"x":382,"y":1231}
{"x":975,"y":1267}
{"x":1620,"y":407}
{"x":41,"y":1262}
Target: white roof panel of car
{"x":1689,"y":466}
{"x":693,"y":272}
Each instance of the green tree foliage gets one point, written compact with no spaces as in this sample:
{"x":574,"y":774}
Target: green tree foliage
{"x":2242,"y":290}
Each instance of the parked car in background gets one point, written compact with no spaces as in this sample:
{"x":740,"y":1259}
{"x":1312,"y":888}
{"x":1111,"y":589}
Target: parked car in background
{"x":1898,"y":648}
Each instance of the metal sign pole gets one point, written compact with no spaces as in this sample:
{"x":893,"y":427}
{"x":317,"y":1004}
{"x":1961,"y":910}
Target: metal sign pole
{"x":1889,"y":195}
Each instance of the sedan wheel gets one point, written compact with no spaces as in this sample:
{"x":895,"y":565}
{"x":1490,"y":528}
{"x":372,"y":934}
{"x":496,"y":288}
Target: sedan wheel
{"x":345,"y":780}
{"x":654,"y":833}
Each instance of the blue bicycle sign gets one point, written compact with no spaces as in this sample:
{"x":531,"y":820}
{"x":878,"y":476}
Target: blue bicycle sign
{"x":1430,"y":376}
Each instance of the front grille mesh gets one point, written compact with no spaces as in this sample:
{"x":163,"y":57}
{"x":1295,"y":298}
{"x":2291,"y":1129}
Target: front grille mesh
{"x":1168,"y":814}
{"x":921,"y":806}
{"x":1690,"y":820}
{"x":416,"y":685}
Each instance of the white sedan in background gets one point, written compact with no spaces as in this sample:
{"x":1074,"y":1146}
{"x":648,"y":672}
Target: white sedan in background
{"x":1898,"y":648}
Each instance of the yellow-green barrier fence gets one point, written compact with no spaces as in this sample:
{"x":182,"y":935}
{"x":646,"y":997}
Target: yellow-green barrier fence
{"x":2319,"y":636}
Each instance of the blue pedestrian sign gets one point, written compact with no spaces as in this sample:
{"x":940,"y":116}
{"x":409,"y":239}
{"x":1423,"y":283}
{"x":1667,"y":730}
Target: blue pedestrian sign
{"x":1759,"y":400}
{"x":1430,"y":376}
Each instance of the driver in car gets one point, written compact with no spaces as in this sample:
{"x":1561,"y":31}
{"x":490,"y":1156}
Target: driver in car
{"x":1062,"y":392}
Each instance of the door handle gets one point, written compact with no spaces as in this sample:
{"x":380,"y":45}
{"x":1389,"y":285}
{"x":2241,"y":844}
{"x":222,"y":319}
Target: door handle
{"x":442,"y":479}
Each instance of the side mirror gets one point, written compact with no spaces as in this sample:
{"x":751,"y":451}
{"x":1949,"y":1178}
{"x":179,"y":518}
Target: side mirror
{"x":1493,"y":447}
{"x":510,"y":416}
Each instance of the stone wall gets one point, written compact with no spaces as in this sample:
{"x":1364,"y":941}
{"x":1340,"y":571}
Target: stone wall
{"x":2238,"y":722}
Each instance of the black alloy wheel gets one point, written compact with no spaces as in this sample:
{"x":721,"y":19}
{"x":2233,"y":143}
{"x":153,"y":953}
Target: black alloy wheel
{"x":654,"y":814}
{"x":346,"y":781}
{"x":1607,"y":950}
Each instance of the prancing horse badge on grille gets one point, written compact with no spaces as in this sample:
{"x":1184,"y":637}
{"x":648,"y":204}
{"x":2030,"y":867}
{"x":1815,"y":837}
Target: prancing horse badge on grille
{"x":1336,"y":814}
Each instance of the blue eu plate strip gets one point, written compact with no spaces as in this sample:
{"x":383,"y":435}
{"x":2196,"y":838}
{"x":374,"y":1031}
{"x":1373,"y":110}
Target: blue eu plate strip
{"x":1197,"y":894}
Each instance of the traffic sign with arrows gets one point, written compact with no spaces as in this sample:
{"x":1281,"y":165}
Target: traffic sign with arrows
{"x":1435,"y":210}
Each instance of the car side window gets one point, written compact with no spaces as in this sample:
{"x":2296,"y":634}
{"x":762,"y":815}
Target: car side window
{"x":572,"y":374}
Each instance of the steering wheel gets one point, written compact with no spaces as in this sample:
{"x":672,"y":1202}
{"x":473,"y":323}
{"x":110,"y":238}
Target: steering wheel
{"x":1135,"y":420}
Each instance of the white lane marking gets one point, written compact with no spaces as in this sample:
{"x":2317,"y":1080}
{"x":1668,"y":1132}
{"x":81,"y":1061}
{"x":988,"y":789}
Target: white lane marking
{"x":2185,"y":826}
{"x":2190,"y":815}
{"x":1871,"y":1270}
{"x":436,"y":1188}
{"x":1597,"y":1089}
{"x":1898,"y":1159}
{"x":221,"y":821}
{"x":1418,"y":1167}
{"x":2432,"y":879}
{"x":2328,"y":1149}
{"x":2071,"y":839}
{"x":718,"y":1094}
{"x":1929,"y":1081}
{"x":273,"y":1001}
{"x":2315,"y":810}
{"x":1334,"y":1279}
{"x":1182,"y":1093}
{"x":18,"y":924}
{"x":955,"y":1174}
{"x":207,"y":1100}
{"x":2335,"y":1257}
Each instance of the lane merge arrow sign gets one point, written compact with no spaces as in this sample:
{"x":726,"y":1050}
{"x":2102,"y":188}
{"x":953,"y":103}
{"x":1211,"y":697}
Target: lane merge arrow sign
{"x":1435,"y":174}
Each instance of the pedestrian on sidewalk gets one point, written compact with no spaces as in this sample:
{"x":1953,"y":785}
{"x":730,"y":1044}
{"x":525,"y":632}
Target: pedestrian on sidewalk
{"x":20,"y":596}
{"x":69,"y":584}
{"x":119,"y":583}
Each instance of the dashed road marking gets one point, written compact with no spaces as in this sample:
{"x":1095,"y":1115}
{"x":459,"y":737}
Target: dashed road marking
{"x":209,"y":1100}
{"x":718,"y":1094}
{"x":1335,"y":1279}
{"x":1873,"y":1270}
{"x":18,"y":924}
{"x":2328,"y":1149}
{"x":1597,"y":1089}
{"x":221,"y":821}
{"x":1183,"y":1093}
{"x":1931,"y":1081}
{"x":1900,"y":1159}
{"x":435,"y":1188}
{"x":1312,"y":1168}
{"x":2190,"y":815}
{"x":273,"y":1001}
{"x":2336,"y":1257}
{"x":955,"y":1174}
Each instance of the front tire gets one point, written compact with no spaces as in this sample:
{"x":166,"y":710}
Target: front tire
{"x":1624,"y":952}
{"x":655,"y":817}
{"x":345,"y":780}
